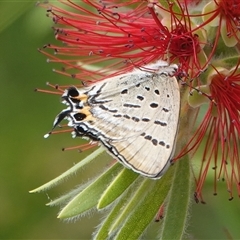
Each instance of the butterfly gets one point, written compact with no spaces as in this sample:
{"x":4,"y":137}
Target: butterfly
{"x":135,"y":116}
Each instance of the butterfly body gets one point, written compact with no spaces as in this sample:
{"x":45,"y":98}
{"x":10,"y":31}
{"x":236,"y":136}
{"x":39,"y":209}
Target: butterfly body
{"x":134,"y":115}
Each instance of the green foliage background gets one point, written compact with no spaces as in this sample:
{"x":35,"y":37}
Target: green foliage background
{"x":28,"y":160}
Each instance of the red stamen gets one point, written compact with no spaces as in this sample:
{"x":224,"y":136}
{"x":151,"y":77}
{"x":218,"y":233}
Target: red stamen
{"x":62,"y":131}
{"x":47,"y":91}
{"x":82,"y":147}
{"x":222,"y":131}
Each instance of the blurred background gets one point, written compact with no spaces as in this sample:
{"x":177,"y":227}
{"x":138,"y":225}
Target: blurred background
{"x":28,"y":160}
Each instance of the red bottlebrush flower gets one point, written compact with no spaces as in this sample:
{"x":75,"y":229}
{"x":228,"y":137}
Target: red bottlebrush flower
{"x":226,"y":16}
{"x":220,"y":129}
{"x":119,"y":38}
{"x":107,"y":34}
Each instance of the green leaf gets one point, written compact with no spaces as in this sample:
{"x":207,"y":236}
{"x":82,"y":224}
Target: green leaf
{"x":143,"y":214}
{"x":227,"y":62}
{"x":66,"y":197}
{"x":177,"y":209}
{"x":141,"y":192}
{"x":89,"y":197}
{"x":103,"y":231}
{"x":117,"y":187}
{"x":69,"y":172}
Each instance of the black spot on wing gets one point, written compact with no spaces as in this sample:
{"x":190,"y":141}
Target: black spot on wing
{"x":153,"y":105}
{"x":140,"y":97}
{"x":126,"y":116}
{"x":125,"y":91}
{"x":117,"y":115}
{"x":154,"y":142}
{"x":107,"y":109}
{"x":72,"y":92}
{"x":165,"y":109}
{"x":79,"y":116}
{"x":113,"y":110}
{"x":163,"y":124}
{"x":145,"y":119}
{"x":129,"y":105}
{"x":148,"y":137}
{"x":103,"y":107}
{"x":74,"y":100}
{"x":135,"y":119}
{"x":162,"y":143}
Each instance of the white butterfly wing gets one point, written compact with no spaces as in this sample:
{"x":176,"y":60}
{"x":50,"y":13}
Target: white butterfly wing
{"x":134,"y":115}
{"x":136,"y":119}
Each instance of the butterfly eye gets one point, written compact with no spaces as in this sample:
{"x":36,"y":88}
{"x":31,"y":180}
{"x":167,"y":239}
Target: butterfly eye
{"x":72,"y":92}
